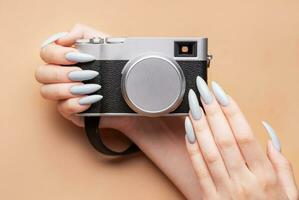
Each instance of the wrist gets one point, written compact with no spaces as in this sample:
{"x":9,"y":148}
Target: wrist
{"x":162,"y":140}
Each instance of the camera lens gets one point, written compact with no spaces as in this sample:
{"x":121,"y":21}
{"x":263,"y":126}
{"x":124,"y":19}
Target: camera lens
{"x":153,"y":85}
{"x":185,"y":49}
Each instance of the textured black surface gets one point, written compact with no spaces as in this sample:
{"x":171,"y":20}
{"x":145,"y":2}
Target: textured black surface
{"x":110,"y":80}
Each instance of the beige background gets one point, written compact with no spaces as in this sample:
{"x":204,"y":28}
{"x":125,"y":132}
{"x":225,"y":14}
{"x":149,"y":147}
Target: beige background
{"x":42,"y":156}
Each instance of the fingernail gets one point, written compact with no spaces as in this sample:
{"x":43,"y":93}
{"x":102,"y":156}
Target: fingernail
{"x":84,"y":89}
{"x":194,"y":105}
{"x":272,"y":135}
{"x":204,"y":90}
{"x":220,"y":94}
{"x":79,"y":57}
{"x":270,"y":146}
{"x":53,"y":38}
{"x":90,"y":99}
{"x":82,"y":75}
{"x":189,"y":131}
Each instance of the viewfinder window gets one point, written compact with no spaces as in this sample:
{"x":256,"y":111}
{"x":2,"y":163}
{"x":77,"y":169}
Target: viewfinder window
{"x":185,"y":49}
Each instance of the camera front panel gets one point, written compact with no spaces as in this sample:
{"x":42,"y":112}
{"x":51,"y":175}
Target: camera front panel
{"x":113,"y":102}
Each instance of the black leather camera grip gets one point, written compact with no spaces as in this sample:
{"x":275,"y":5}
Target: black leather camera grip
{"x":94,"y":136}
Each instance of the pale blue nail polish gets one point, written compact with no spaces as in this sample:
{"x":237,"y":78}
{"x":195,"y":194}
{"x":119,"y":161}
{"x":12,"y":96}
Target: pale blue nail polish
{"x":194,"y":105}
{"x":220,"y":94}
{"x":189,"y":131}
{"x":90,"y":99}
{"x":204,"y":90}
{"x":82,"y":75}
{"x":84,"y":89}
{"x":79,"y":57}
{"x":53,"y":38}
{"x":272,"y":135}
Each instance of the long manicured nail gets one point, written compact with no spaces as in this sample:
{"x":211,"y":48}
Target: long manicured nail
{"x":189,"y":131}
{"x":53,"y":38}
{"x":194,"y":105}
{"x":82,"y":75}
{"x":220,"y":94}
{"x":79,"y":57}
{"x":90,"y":99}
{"x":204,"y":90}
{"x":84,"y":89}
{"x":272,"y":135}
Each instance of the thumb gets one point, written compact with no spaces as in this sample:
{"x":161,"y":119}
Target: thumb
{"x":281,"y":165}
{"x":79,"y":31}
{"x":284,"y":171}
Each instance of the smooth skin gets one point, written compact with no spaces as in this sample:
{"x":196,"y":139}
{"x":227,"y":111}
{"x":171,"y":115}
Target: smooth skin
{"x":227,"y":158}
{"x":161,"y":139}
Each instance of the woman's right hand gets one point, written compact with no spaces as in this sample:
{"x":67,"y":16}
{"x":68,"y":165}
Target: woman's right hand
{"x":227,"y":157}
{"x":62,"y":83}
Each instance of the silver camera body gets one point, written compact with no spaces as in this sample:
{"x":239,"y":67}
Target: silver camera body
{"x":146,"y":76}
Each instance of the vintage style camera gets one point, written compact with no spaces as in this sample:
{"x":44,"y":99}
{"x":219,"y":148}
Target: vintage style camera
{"x":141,"y":76}
{"x":144,"y":76}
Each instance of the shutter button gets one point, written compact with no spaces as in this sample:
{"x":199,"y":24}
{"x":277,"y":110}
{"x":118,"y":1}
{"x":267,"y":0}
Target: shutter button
{"x":115,"y":40}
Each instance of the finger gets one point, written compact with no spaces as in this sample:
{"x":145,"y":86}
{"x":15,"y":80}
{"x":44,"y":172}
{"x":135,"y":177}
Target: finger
{"x":71,"y":106}
{"x":68,"y":108}
{"x":79,"y":31}
{"x":54,"y":74}
{"x":207,"y":144}
{"x":199,"y":165}
{"x":222,"y":132}
{"x":284,"y":171}
{"x":250,"y":148}
{"x":53,"y":38}
{"x":281,"y":165}
{"x":56,"y":54}
{"x":58,"y":91}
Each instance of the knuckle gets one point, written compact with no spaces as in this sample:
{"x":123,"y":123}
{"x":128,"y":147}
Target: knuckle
{"x":38,"y":73}
{"x":245,"y":139}
{"x":57,"y":92}
{"x":202,"y":174}
{"x":233,"y":112}
{"x":42,"y":53}
{"x":225,"y":143}
{"x":55,"y":75}
{"x":70,"y":107}
{"x":46,"y":53}
{"x":200,"y":126}
{"x":43,"y":92}
{"x":193,"y":152}
{"x":212,"y":110}
{"x":212,"y":157}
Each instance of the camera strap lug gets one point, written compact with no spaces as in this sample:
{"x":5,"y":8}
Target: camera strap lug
{"x":210,"y":57}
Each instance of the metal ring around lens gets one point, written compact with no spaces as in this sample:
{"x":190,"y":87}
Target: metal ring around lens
{"x":178,"y":99}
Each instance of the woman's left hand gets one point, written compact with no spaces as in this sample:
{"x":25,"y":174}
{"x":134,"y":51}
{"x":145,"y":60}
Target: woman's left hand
{"x":227,"y":158}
